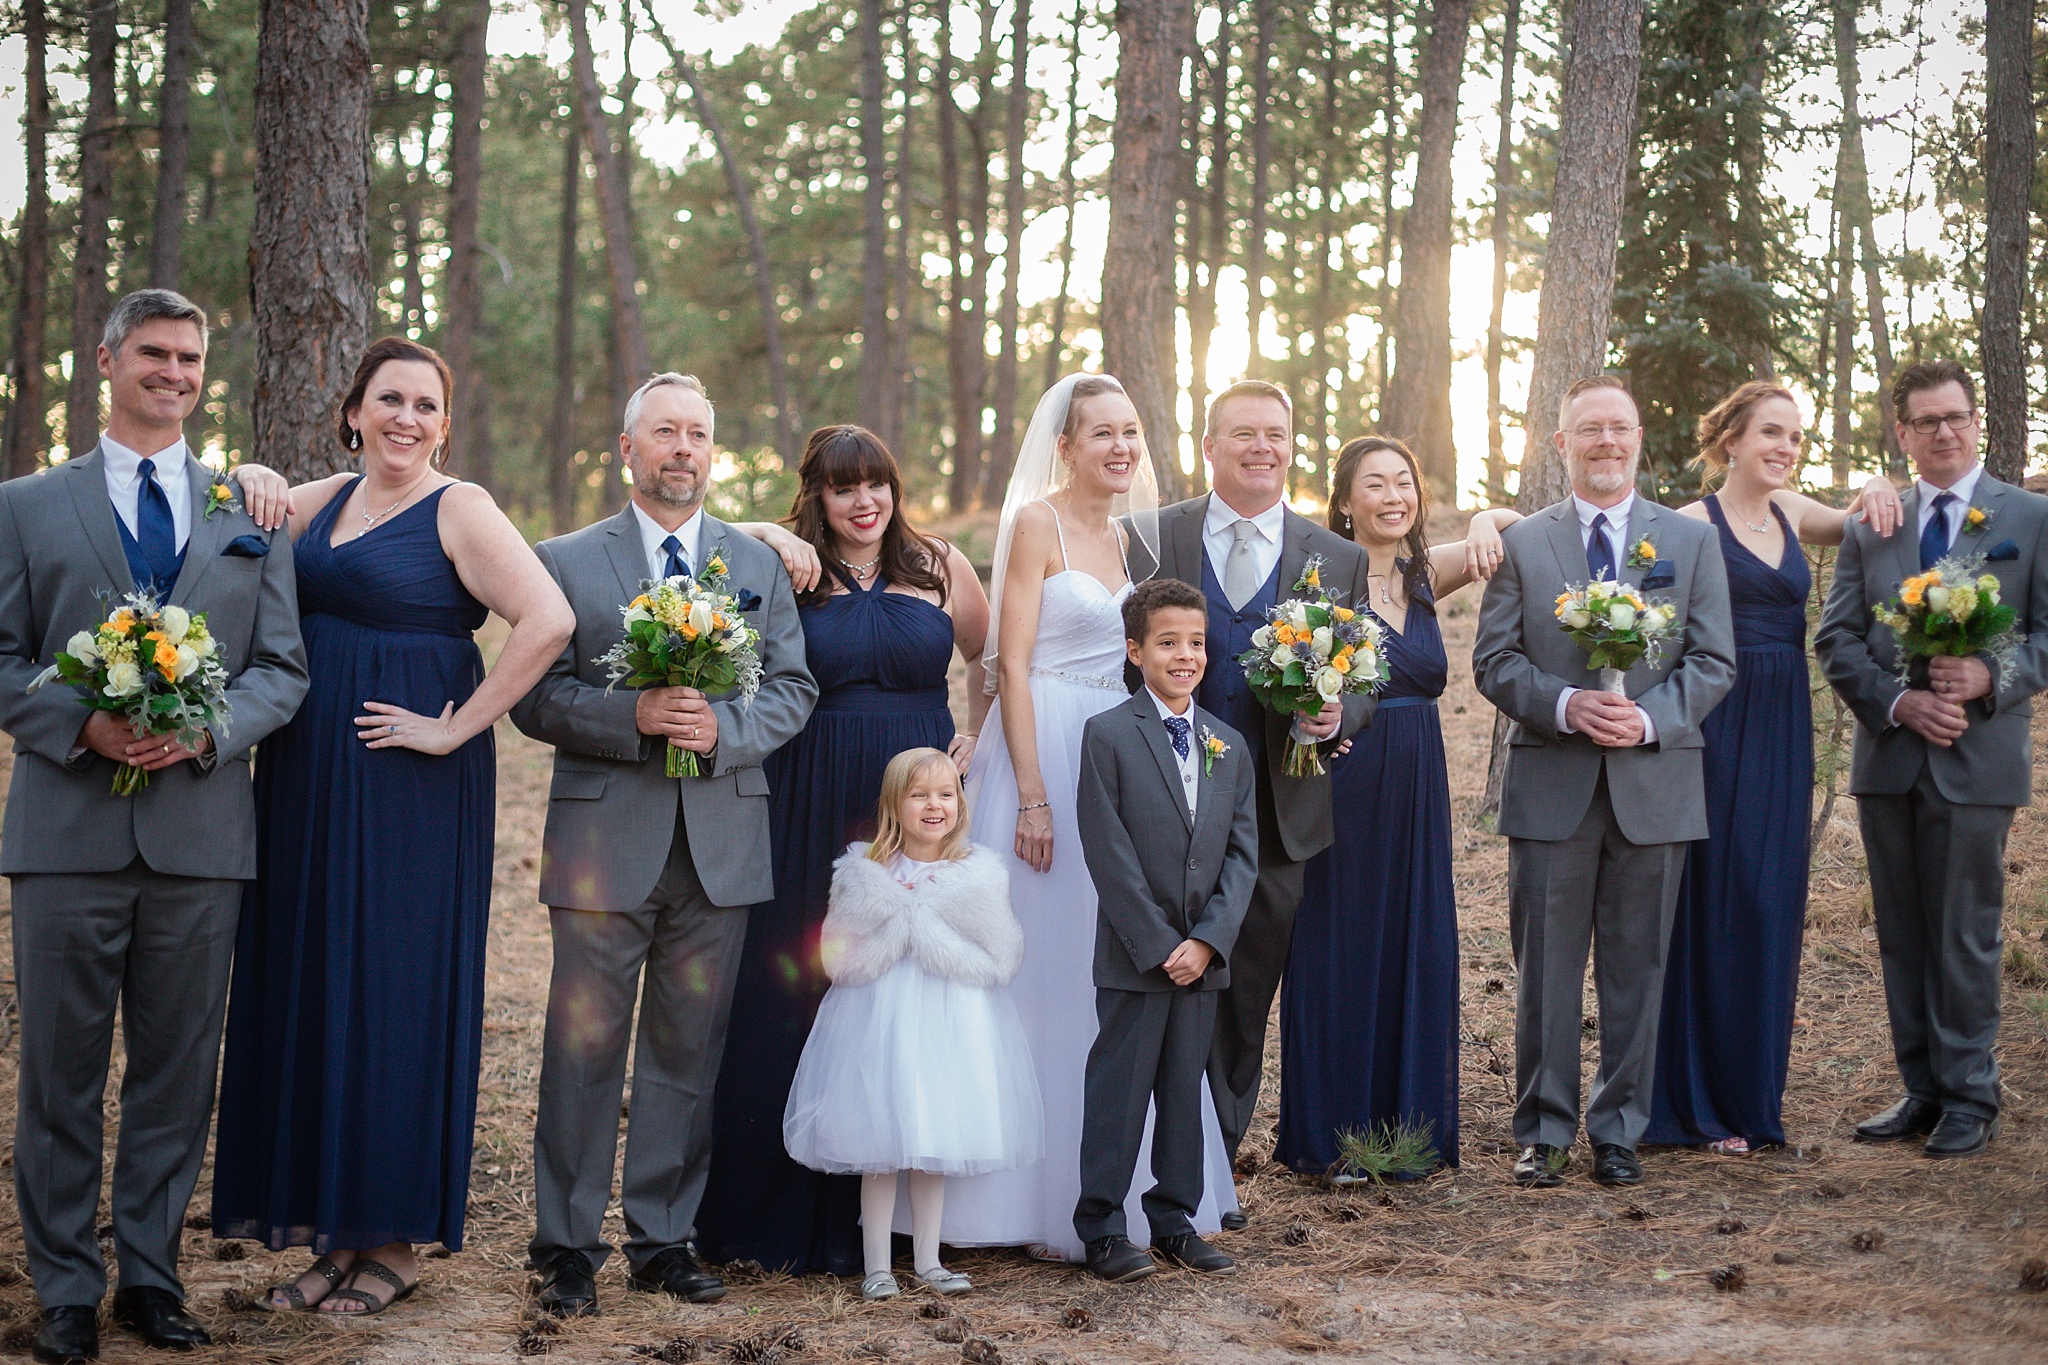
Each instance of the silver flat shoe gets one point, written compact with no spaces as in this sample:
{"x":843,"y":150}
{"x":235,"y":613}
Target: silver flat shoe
{"x":943,"y":1281}
{"x":880,"y":1285}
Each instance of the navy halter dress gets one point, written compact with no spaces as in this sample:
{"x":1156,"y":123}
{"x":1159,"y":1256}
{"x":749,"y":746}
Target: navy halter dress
{"x":348,"y":1089}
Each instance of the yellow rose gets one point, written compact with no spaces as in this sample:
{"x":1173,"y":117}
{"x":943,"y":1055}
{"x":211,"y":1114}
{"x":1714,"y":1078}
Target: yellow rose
{"x":1910,"y":592}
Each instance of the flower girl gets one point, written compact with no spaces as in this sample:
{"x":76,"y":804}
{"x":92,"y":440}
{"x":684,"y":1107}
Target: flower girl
{"x":917,"y":1061}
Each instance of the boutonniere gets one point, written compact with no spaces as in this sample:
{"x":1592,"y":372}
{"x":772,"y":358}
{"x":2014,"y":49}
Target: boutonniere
{"x":1311,"y":579}
{"x":1213,"y":748}
{"x":1975,"y":521}
{"x":1643,"y":554}
{"x":714,"y":567}
{"x":220,"y":494}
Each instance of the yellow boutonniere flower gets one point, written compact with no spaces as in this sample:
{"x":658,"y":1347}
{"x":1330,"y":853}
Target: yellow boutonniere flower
{"x":1975,"y":520}
{"x":1213,"y":748}
{"x":218,"y":495}
{"x":1643,"y":554}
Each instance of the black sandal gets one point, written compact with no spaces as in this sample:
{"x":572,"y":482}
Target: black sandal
{"x":324,"y":1268}
{"x":376,"y":1270}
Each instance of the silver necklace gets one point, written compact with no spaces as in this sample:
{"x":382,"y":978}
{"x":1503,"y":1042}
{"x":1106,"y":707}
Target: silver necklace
{"x":860,"y":572}
{"x":1755,"y":529}
{"x":372,"y":518}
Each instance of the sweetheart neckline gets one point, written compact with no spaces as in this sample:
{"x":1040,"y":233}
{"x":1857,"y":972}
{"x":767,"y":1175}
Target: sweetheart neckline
{"x":1107,"y":591}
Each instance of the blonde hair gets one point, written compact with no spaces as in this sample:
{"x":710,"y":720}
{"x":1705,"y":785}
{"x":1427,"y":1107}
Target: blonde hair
{"x":903,"y":770}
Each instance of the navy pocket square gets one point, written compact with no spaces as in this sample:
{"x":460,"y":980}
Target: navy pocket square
{"x":749,"y":600}
{"x":2004,"y":549}
{"x":247,"y":547}
{"x":1663,"y":579}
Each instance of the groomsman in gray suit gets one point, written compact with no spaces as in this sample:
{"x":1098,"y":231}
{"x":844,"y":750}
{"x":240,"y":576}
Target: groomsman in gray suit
{"x":128,"y":903}
{"x":647,"y":878}
{"x":1940,"y":763}
{"x":1602,"y":792}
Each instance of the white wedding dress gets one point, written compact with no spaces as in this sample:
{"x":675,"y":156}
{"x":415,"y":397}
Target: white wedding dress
{"x":1077,"y":668}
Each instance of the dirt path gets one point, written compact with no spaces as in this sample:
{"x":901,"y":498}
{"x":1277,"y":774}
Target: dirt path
{"x":1846,"y":1253}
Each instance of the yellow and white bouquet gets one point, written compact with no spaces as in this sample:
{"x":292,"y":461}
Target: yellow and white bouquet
{"x":1951,"y":609}
{"x":154,"y":666}
{"x":687,"y":632}
{"x":1311,"y":651}
{"x":1617,"y":627}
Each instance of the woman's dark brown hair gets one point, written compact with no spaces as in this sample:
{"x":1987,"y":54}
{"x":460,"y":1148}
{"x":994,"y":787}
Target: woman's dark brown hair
{"x":1417,"y":574}
{"x":382,"y":351}
{"x":840,"y":457}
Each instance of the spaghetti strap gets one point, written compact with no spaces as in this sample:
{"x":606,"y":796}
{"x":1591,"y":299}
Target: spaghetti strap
{"x":1060,"y":531}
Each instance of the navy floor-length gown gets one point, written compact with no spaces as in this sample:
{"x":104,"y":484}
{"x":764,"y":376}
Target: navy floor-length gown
{"x":1732,"y":973}
{"x":880,"y":659}
{"x":1369,"y":1006}
{"x":348,"y":1089}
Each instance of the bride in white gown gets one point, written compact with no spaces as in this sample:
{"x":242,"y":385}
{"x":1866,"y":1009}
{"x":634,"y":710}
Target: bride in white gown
{"x":1061,"y":576}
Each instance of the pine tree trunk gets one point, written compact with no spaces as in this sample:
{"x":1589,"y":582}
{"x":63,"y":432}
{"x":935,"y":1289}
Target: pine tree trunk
{"x":1596,"y":136}
{"x":1144,"y":175}
{"x":1842,"y":325}
{"x":874,"y":257}
{"x":1197,"y":263}
{"x":1056,"y":350}
{"x":2009,"y":135}
{"x":309,"y":242}
{"x":1016,"y":105}
{"x":615,"y":207}
{"x":562,"y":432}
{"x":1390,"y":100}
{"x":903,"y":177}
{"x":1418,"y":407}
{"x":1262,"y":157}
{"x":89,"y":301}
{"x":173,"y":145}
{"x":1855,"y":202}
{"x":964,"y":354}
{"x":469,"y":437}
{"x":27,"y":432}
{"x":1496,"y":333}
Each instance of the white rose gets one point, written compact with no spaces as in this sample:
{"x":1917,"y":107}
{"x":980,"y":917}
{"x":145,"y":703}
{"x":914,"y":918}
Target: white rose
{"x":1937,"y":599}
{"x":700,"y":617}
{"x":206,"y":646}
{"x":1262,"y":638}
{"x":188,"y":663}
{"x":176,"y":622}
{"x":1297,"y":615}
{"x":638,"y":614}
{"x":1329,"y":683}
{"x":124,"y":680}
{"x":1578,"y":618}
{"x":1658,"y":617}
{"x":1282,"y":656}
{"x":1621,"y":616}
{"x":83,"y":648}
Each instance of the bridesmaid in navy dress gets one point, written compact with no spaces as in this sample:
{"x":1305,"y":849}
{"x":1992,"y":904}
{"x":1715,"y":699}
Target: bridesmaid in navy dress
{"x":880,"y":628}
{"x":348,"y":1093}
{"x":1369,"y":1006}
{"x":1732,"y":972}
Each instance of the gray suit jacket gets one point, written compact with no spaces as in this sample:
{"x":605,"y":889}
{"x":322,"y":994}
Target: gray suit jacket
{"x":611,"y":809}
{"x":1522,"y":660}
{"x":1160,"y":875}
{"x":60,"y":555}
{"x":1301,"y":805}
{"x":1992,"y":763}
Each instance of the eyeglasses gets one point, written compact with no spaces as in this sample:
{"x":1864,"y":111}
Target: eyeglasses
{"x":1958,"y":422}
{"x":1613,"y":431}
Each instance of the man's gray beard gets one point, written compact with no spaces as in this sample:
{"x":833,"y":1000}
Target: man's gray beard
{"x":1608,"y":483}
{"x":657,"y":491}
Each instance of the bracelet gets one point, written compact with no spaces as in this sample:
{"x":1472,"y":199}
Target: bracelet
{"x":1041,"y":805}
{"x":967,"y":734}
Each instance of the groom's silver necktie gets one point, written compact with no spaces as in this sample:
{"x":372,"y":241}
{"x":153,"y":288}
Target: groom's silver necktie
{"x":1240,"y":575}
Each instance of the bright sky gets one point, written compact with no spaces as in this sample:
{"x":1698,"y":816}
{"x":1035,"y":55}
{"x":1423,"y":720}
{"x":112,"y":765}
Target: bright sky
{"x":1894,"y":96}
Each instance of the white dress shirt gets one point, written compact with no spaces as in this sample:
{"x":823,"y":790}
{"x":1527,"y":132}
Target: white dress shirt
{"x":1187,"y":765}
{"x":1616,"y":534}
{"x":124,"y":484}
{"x":1964,"y":488}
{"x":1218,"y":537}
{"x":653,"y":533}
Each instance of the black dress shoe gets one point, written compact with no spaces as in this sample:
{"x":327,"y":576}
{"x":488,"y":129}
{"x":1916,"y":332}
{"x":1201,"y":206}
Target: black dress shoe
{"x":1541,"y":1166}
{"x":1614,"y":1164}
{"x":1114,"y":1259}
{"x":159,"y":1318}
{"x":1908,"y":1118}
{"x":1235,"y":1221}
{"x":677,"y":1272}
{"x":69,"y":1335}
{"x":1190,"y":1252}
{"x":1959,"y":1134}
{"x":568,"y":1286}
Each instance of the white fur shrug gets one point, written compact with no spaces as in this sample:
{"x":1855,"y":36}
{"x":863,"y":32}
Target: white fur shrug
{"x":957,"y":924}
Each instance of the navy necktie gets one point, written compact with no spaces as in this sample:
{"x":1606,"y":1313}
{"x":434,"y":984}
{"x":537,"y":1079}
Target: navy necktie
{"x":1934,"y":536}
{"x":155,"y":530}
{"x":1600,"y":554}
{"x":678,"y":562}
{"x":1177,"y":726}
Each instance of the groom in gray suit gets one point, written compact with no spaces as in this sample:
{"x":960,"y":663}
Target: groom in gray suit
{"x":128,"y":902}
{"x":1940,"y":763}
{"x":647,"y":878}
{"x":1602,"y":792}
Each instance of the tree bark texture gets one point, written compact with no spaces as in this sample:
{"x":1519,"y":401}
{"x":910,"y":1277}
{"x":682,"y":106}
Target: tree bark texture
{"x":1264,"y":20}
{"x":1418,"y":407}
{"x":89,"y":301}
{"x":1390,"y":103}
{"x":309,"y":243}
{"x":1596,"y":137}
{"x":1002,"y":453}
{"x":1496,"y":332}
{"x":1842,"y":325}
{"x":909,"y":233}
{"x":173,"y":146}
{"x":1056,"y":349}
{"x":2009,"y":135}
{"x":562,"y":436}
{"x":27,"y":432}
{"x":469,"y":438}
{"x":966,"y":360}
{"x":615,"y":207}
{"x":1855,"y":203}
{"x":874,"y":256}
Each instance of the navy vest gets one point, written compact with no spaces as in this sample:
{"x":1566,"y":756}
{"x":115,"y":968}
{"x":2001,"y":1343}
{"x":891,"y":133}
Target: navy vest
{"x":1224,"y":691}
{"x":138,"y":567}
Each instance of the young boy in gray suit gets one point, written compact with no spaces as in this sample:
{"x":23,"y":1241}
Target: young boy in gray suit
{"x":1169,"y":827}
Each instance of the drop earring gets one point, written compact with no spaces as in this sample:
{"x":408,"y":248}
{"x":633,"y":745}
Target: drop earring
{"x":355,"y":439}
